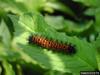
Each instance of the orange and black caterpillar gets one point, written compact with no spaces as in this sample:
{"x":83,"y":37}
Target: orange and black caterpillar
{"x":50,"y":44}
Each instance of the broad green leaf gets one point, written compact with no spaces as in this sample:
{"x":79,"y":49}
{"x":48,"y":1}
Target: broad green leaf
{"x":8,"y":68}
{"x":83,"y":59}
{"x":55,"y":22}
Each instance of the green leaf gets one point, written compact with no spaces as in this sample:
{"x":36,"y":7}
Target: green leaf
{"x":8,"y":22}
{"x":5,"y":44}
{"x":90,"y":11}
{"x":8,"y":68}
{"x":5,"y":34}
{"x":75,"y":28}
{"x":20,"y":6}
{"x":57,"y":61}
{"x":13,"y":6}
{"x":34,"y":5}
{"x":51,"y":6}
{"x":97,"y":46}
{"x":55,"y":22}
{"x":96,"y":13}
{"x":84,"y":59}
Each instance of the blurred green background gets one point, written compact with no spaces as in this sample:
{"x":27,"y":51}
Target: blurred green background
{"x":66,"y":21}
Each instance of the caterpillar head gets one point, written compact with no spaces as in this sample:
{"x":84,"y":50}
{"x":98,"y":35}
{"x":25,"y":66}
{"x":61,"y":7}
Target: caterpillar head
{"x":30,"y":39}
{"x":71,"y":49}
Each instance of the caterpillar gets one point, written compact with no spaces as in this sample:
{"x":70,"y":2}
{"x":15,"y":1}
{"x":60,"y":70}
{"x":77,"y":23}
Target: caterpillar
{"x":52,"y":45}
